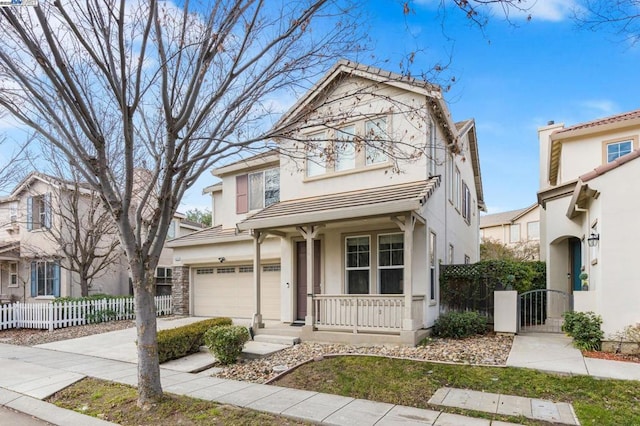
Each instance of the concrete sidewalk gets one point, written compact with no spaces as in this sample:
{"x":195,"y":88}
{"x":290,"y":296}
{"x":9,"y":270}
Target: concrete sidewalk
{"x":555,"y":353}
{"x":46,"y":371}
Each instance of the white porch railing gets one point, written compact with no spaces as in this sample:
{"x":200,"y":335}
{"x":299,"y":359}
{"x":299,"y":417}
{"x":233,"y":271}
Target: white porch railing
{"x":364,"y":313}
{"x":52,"y":315}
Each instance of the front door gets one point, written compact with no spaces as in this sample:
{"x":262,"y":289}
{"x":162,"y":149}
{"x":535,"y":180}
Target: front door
{"x":301,"y":276}
{"x":575,"y":252}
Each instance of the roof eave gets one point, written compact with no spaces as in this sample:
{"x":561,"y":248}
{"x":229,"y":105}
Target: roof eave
{"x":346,"y":213}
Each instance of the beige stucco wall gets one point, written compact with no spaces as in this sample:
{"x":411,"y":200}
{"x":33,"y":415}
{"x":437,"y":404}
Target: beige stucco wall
{"x":441,"y":213}
{"x":613,"y":271}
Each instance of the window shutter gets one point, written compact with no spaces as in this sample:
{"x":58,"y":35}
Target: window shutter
{"x":242,"y":194}
{"x":56,"y":278}
{"x":29,"y":213}
{"x":34,"y":278}
{"x":47,"y":210}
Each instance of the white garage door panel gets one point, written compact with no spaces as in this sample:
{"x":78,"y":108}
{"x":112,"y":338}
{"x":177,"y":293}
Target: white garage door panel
{"x":231,"y":294}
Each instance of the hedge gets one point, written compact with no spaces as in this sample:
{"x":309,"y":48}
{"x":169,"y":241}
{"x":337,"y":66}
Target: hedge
{"x":175,"y":343}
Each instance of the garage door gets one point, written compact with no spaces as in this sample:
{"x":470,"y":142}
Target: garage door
{"x":228,"y":291}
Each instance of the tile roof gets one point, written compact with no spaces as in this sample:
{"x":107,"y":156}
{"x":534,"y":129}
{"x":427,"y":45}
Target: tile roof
{"x":602,"y":121}
{"x":344,"y":205}
{"x":207,"y":236}
{"x":600,"y":170}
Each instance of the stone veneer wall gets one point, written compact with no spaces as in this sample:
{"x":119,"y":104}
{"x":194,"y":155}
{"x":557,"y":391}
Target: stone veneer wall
{"x":180,"y":290}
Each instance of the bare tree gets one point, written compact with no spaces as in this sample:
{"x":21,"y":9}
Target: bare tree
{"x":622,"y":17}
{"x":143,"y":96}
{"x":123,"y":87}
{"x":85,"y":232}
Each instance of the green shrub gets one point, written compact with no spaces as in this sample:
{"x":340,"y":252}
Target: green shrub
{"x":585,"y":329}
{"x":457,"y":325}
{"x":226,"y":342}
{"x":175,"y":343}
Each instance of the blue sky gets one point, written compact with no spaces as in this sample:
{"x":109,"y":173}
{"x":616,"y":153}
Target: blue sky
{"x":512,"y":79}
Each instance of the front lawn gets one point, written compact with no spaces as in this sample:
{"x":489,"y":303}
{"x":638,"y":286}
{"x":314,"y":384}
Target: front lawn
{"x":405,"y":382}
{"x":117,"y":403}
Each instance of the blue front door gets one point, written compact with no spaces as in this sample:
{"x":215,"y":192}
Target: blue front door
{"x":575,"y":250}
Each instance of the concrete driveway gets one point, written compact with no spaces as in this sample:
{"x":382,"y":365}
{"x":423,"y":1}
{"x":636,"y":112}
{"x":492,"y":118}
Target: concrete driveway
{"x":117,"y":345}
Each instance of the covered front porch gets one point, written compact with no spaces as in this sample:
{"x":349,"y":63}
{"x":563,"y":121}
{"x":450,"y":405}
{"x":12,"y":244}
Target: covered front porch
{"x":349,"y":263}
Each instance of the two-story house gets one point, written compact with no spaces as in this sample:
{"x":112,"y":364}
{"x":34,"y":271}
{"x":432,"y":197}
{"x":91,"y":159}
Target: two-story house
{"x":343,"y":228}
{"x":517,"y":229}
{"x":589,"y":217}
{"x":42,"y":213}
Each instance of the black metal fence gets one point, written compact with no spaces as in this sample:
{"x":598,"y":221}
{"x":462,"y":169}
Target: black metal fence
{"x":470,"y":287}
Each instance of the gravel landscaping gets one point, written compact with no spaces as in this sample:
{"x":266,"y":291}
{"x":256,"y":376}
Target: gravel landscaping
{"x":481,"y":350}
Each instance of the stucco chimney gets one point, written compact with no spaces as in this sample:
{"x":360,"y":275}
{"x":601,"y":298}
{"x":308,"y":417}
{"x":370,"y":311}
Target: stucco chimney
{"x":544,"y":140}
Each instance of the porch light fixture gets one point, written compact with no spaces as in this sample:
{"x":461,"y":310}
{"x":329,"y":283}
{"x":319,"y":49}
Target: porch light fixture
{"x":593,"y":239}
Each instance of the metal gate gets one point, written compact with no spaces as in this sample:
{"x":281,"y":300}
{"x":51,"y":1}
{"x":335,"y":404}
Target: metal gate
{"x":540,"y":311}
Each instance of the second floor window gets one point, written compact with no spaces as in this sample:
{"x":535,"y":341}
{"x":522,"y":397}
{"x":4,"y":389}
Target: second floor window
{"x":514,"y":233}
{"x":13,"y":275}
{"x":39,"y":212}
{"x":618,"y":149}
{"x":466,"y":203}
{"x":533,"y":230}
{"x":264,"y":189}
{"x":345,"y":149}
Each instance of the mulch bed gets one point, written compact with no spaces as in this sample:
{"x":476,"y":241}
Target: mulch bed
{"x":612,"y":356}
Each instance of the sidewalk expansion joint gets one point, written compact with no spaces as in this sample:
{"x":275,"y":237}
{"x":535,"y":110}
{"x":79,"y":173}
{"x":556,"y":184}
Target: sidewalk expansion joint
{"x":509,"y":405}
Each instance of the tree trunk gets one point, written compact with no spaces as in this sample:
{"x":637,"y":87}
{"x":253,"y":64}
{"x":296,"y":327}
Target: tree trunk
{"x":149,"y":386}
{"x":84,"y":286}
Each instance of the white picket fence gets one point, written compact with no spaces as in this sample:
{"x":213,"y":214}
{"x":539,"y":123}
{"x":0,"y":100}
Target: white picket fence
{"x":52,"y":315}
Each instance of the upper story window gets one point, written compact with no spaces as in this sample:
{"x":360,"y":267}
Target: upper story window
{"x":533,"y":230}
{"x":514,"y":233}
{"x":456,"y":189}
{"x":13,"y":212}
{"x":171,"y":233}
{"x":341,"y":150}
{"x":39,"y":212}
{"x":618,"y":149}
{"x":317,"y":157}
{"x":466,"y":203}
{"x":375,"y":131}
{"x":345,"y":150}
{"x":432,"y":149}
{"x":257,"y":190}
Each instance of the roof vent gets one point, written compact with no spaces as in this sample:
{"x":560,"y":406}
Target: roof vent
{"x":550,"y":122}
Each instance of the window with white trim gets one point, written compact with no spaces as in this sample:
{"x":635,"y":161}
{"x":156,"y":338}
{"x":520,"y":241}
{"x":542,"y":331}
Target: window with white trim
{"x":226,"y":270}
{"x":391,"y":263}
{"x":13,"y":274}
{"x":345,"y":150}
{"x":204,"y":271}
{"x":456,"y":189}
{"x":467,"y":259}
{"x":466,"y":203}
{"x":264,"y":188}
{"x":533,"y":230}
{"x":171,"y":233}
{"x":13,"y":213}
{"x":316,"y":155}
{"x":357,"y":264}
{"x":245,"y":268}
{"x":375,"y":135}
{"x":163,"y":281}
{"x":271,"y":268}
{"x":616,"y":150}
{"x":432,"y":149}
{"x":163,"y":275}
{"x":39,"y":212}
{"x":432,"y":266}
{"x":514,"y":233}
{"x":45,"y":279}
{"x":450,"y":176}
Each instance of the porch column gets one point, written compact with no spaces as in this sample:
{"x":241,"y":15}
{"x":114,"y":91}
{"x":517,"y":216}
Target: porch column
{"x":408,"y":320}
{"x":258,"y":238}
{"x":309,"y":232}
